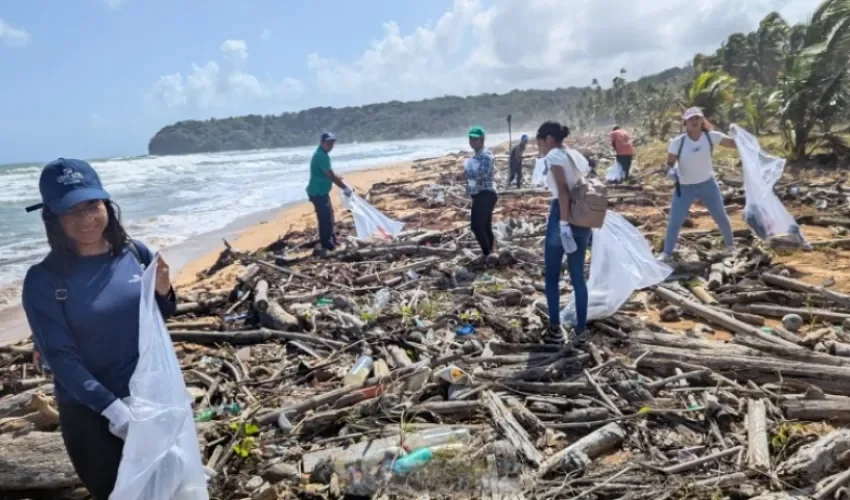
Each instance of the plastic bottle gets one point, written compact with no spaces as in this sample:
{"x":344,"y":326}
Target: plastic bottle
{"x":382,"y":298}
{"x":219,"y":411}
{"x":359,"y":371}
{"x":343,"y":464}
{"x":413,"y":460}
{"x":436,"y":437}
{"x":380,"y":368}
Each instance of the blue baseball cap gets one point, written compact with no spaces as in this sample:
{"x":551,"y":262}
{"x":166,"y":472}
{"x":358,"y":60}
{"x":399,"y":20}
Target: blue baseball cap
{"x":327,"y":136}
{"x":66,"y":182}
{"x":524,"y":137}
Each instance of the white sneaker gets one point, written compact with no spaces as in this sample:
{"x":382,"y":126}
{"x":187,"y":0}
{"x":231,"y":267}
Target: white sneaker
{"x":664,"y":258}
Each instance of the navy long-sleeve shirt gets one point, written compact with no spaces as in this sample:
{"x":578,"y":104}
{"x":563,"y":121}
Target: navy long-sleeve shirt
{"x":91,"y":339}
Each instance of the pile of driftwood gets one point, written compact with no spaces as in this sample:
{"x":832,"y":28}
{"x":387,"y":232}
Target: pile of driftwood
{"x":411,"y":367}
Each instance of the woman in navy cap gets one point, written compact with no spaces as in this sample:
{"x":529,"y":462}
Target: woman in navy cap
{"x":82,"y":304}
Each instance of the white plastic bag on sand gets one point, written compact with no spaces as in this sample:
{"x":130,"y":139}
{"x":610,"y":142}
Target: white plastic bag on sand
{"x":161,"y":458}
{"x":621,"y":262}
{"x":764,"y":213}
{"x":615,"y":173}
{"x":369,"y":221}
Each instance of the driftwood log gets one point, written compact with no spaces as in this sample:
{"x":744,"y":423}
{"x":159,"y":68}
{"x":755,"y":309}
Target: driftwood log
{"x":510,"y":428}
{"x":578,"y":455}
{"x":35,"y":461}
{"x":19,"y":404}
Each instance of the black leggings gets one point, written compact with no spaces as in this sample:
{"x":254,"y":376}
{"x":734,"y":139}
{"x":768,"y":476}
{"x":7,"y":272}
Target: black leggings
{"x":481,"y":220}
{"x":94,"y":451}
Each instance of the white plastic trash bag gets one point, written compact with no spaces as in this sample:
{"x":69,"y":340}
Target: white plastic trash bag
{"x":621,"y":262}
{"x":615,"y":173}
{"x":538,"y":177}
{"x":369,"y":222}
{"x":763,"y":211}
{"x":161,"y":458}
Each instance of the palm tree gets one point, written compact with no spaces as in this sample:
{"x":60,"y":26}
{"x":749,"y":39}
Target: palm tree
{"x":814,"y":88}
{"x":713,"y":91}
{"x":760,"y":107}
{"x":768,"y":48}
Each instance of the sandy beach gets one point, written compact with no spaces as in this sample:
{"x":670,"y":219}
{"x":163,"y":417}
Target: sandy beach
{"x":198,"y":253}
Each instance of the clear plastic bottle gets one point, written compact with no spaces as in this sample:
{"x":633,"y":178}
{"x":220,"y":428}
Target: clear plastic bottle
{"x":380,"y":368}
{"x":360,"y":370}
{"x":382,"y":298}
{"x":438,"y":436}
{"x":344,"y":464}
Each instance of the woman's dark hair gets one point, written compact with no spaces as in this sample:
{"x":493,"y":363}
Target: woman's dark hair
{"x":616,"y":128}
{"x":555,"y":130}
{"x":61,"y":245}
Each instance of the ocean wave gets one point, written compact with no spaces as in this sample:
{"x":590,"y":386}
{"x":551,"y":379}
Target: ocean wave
{"x":166,"y":200}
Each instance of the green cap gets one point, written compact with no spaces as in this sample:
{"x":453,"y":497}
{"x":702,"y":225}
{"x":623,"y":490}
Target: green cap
{"x":476,"y":132}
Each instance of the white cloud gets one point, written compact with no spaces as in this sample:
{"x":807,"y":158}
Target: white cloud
{"x":265,"y":34}
{"x":211,"y":86}
{"x":539,"y":43}
{"x":13,"y":37}
{"x":113,"y":4}
{"x":235,"y":50}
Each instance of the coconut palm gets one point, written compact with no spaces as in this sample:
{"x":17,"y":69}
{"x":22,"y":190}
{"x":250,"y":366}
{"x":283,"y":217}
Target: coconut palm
{"x":760,"y":107}
{"x":814,"y":88}
{"x":713,"y":91}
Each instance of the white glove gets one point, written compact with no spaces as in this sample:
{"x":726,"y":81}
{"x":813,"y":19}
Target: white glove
{"x":567,"y":240}
{"x":673,"y":173}
{"x":347,"y":191}
{"x":118,"y":414}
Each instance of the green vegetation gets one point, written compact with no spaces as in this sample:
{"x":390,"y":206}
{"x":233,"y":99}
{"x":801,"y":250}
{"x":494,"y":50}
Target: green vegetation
{"x":393,"y":120}
{"x":790,"y":80}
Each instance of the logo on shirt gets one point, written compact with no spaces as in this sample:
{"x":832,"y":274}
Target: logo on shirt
{"x":69,"y":177}
{"x":696,"y":149}
{"x":137,"y":278}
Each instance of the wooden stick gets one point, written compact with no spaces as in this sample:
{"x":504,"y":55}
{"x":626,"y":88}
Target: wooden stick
{"x":758,"y":453}
{"x":250,"y":337}
{"x":510,"y":428}
{"x":261,"y":296}
{"x":799,"y":286}
{"x":693,"y":464}
{"x":610,"y":404}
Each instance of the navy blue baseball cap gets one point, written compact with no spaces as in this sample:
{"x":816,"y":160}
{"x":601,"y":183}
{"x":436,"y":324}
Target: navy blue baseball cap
{"x":66,"y":182}
{"x":327,"y":136}
{"x":524,"y":137}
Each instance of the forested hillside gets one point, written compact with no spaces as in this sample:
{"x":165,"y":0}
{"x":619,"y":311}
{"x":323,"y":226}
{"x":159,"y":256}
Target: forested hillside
{"x":378,"y":122}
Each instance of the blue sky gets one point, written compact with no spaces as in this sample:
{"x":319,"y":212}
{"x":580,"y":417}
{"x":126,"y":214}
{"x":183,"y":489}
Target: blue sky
{"x":95,"y":78}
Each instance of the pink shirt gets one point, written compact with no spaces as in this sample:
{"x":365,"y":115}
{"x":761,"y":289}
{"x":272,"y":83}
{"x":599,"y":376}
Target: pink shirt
{"x":622,"y":142}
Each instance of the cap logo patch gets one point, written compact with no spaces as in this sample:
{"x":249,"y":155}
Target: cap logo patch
{"x":69,"y":177}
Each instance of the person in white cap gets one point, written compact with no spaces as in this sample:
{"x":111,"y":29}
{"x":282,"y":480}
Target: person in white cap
{"x":694,"y":177}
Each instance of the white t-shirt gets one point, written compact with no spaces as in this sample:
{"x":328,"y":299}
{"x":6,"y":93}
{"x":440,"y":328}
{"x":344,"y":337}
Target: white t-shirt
{"x":573,"y":163}
{"x":695,"y":164}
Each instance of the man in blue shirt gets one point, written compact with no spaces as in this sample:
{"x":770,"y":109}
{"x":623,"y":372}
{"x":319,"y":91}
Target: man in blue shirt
{"x":322,"y":178}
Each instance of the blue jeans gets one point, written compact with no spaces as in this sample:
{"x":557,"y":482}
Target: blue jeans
{"x":325,"y":216}
{"x":708,"y":192}
{"x":553,"y":255}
